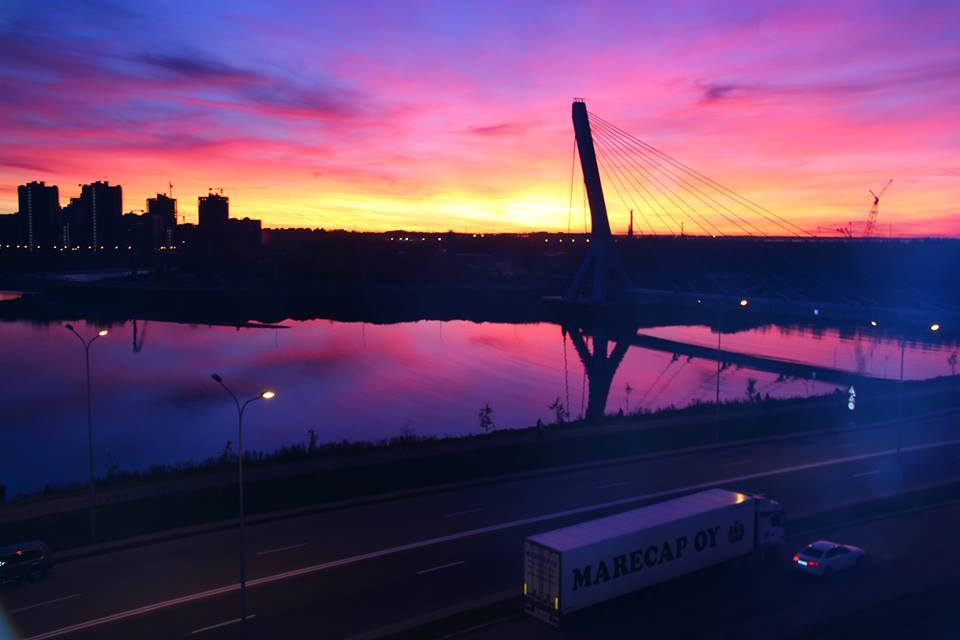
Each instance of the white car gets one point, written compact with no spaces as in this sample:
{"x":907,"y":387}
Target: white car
{"x":824,"y":557}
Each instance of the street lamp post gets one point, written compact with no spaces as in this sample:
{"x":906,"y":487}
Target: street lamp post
{"x":264,"y":395}
{"x":743,"y":303}
{"x":93,"y":492}
{"x":716,"y":405}
{"x":903,"y":347}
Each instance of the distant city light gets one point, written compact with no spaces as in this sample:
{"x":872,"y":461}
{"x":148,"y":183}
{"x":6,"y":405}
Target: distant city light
{"x":873,"y":323}
{"x":816,"y":312}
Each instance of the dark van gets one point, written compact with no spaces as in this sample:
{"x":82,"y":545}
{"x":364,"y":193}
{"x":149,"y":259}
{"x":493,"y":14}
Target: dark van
{"x":27,"y":561}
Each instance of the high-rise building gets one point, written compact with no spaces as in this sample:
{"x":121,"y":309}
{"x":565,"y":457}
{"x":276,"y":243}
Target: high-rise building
{"x":163,"y":207}
{"x":73,"y":224}
{"x":214,"y":210}
{"x":162,"y":214}
{"x":39,"y":214}
{"x":101,"y":212}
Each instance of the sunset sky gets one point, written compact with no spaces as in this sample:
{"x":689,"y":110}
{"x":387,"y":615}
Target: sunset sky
{"x":456,"y":115}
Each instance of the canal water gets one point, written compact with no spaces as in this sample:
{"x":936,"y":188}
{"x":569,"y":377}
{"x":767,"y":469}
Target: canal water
{"x":154,"y":401}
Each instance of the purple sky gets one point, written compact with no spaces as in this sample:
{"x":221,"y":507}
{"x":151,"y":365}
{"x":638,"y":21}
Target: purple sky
{"x":376,"y":115}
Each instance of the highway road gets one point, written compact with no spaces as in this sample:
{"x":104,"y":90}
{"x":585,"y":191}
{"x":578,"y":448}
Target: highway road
{"x":907,"y":553}
{"x":351,"y":571}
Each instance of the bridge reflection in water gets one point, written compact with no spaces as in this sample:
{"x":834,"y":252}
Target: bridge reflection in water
{"x":602,"y":347}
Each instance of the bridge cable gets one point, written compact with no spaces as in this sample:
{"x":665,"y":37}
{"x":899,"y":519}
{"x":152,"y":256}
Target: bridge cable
{"x":627,"y":180}
{"x":690,"y":212}
{"x":755,"y":208}
{"x":657,"y":379}
{"x":613,"y":181}
{"x":686,"y":186}
{"x":585,"y":230}
{"x":605,"y":129}
{"x":631,"y":178}
{"x":573,"y":159}
{"x":670,"y":380}
{"x":692,"y":190}
{"x":566,"y":371}
{"x":636,"y":178}
{"x":615,"y":178}
{"x":789,"y":226}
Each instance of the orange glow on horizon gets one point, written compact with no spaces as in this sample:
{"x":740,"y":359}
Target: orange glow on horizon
{"x":303,"y":124}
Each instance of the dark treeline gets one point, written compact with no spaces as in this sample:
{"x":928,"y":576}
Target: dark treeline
{"x":406,"y":275}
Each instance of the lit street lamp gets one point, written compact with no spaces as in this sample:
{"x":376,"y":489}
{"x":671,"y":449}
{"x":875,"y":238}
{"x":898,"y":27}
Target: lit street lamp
{"x":263,"y":395}
{"x":93,"y":494}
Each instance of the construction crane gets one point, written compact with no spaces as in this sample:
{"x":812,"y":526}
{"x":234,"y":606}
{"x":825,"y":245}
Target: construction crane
{"x":874,"y":210}
{"x":846,"y":230}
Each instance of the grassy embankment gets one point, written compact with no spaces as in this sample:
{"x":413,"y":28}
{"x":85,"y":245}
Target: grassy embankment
{"x":326,"y":474}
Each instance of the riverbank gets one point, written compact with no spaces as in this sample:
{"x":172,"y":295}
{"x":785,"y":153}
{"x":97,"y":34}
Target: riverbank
{"x":142,"y":505}
{"x":310,"y":455}
{"x":216,"y":303}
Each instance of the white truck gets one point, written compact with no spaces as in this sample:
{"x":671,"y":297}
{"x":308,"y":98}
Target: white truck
{"x":572,"y":568}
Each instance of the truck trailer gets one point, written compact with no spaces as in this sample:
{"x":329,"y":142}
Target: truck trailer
{"x":574,"y":567}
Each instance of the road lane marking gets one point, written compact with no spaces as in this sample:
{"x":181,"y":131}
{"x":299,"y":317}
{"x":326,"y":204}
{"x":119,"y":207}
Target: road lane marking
{"x":279,"y":549}
{"x":866,"y":473}
{"x":429,"y":542}
{"x":611,"y":485}
{"x":221,"y":624}
{"x":461,"y":513}
{"x":443,"y":566}
{"x":45,"y":603}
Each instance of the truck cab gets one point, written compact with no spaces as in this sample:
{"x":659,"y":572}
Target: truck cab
{"x":771,"y":524}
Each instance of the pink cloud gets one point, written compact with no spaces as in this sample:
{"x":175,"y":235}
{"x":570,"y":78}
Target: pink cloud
{"x":383,"y":118}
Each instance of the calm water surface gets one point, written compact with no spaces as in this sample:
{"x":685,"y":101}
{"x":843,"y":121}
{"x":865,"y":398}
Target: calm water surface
{"x":353,"y":381}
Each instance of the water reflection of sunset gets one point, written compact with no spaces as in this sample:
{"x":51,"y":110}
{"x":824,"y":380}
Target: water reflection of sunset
{"x":356,"y":381}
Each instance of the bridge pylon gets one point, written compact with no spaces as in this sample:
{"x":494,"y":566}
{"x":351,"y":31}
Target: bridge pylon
{"x":601,"y":255}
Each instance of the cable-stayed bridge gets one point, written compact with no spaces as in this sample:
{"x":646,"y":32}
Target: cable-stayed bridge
{"x":669,"y":199}
{"x":672,"y":199}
